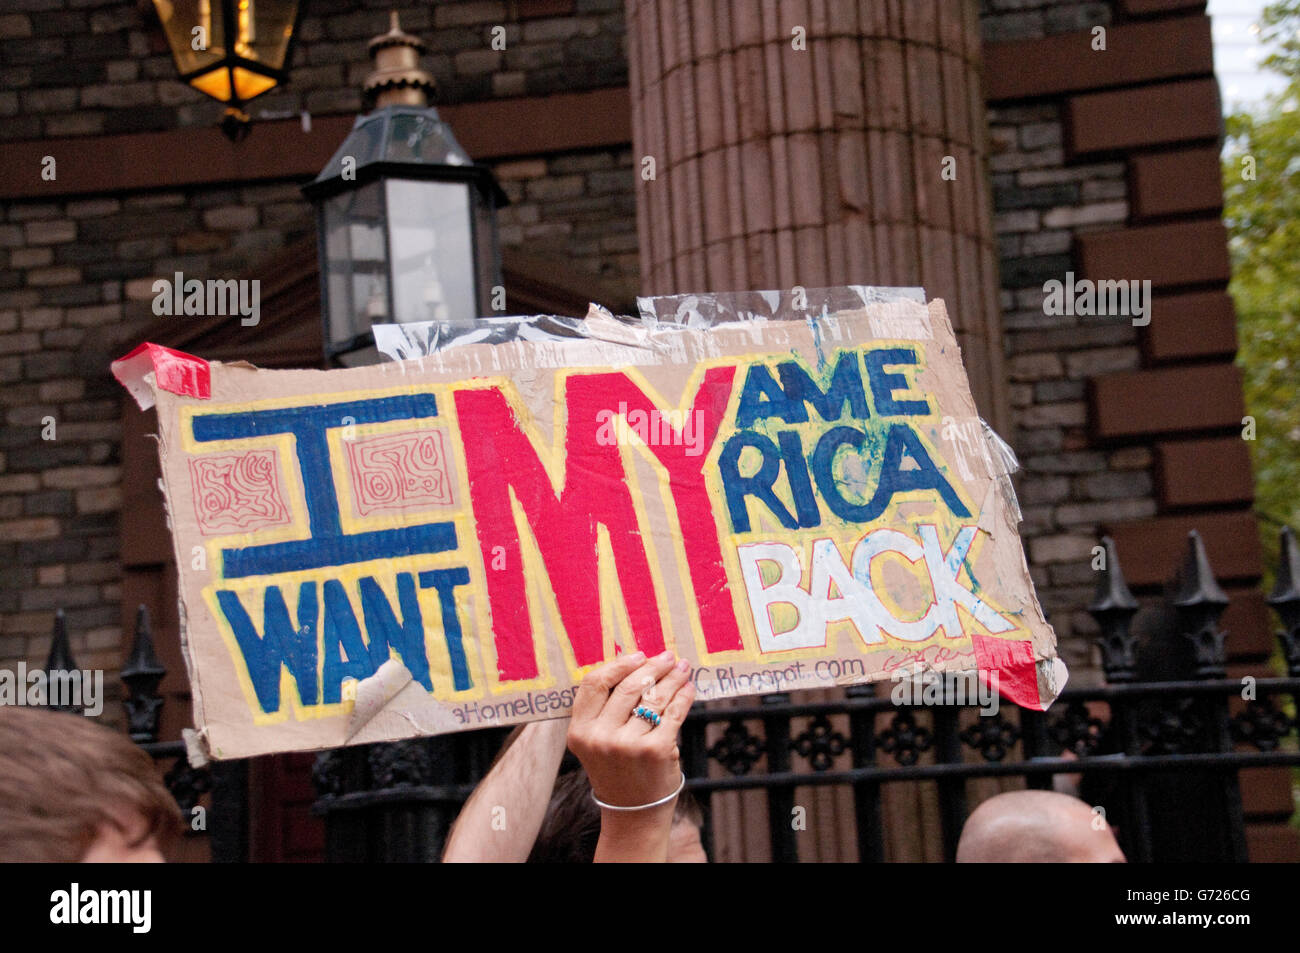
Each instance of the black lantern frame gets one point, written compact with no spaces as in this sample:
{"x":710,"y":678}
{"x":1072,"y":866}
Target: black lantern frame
{"x":366,"y":145}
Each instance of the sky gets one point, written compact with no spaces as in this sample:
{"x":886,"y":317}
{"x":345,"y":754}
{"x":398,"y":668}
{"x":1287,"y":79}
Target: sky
{"x":1237,"y":51}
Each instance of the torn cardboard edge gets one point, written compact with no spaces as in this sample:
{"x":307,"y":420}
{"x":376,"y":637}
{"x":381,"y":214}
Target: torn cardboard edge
{"x":196,"y":747}
{"x":370,"y":695}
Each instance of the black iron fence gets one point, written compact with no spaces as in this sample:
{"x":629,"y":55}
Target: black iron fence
{"x":1159,"y":745}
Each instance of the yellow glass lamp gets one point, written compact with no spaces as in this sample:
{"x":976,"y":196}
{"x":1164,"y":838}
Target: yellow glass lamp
{"x":231,"y":50}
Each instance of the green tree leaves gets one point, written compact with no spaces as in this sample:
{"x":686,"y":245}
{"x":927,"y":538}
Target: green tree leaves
{"x":1261,"y":180}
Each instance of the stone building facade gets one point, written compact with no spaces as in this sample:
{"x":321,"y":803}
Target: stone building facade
{"x":1101,"y":162}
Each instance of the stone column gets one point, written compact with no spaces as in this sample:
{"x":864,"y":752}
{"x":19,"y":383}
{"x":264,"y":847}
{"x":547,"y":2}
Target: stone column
{"x":804,"y":142}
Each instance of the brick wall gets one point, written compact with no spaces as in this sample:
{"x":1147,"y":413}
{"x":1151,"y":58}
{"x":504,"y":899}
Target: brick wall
{"x":79,"y":275}
{"x":581,"y":204}
{"x":1029,"y":19}
{"x":86,"y":67}
{"x":1067,"y":488}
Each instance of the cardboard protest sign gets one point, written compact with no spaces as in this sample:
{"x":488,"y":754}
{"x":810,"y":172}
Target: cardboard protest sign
{"x":448,"y":542}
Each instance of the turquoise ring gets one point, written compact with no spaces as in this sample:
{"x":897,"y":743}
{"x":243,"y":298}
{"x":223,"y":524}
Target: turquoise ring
{"x":646,"y":714}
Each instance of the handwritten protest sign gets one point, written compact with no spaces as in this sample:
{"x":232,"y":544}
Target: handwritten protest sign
{"x":449,"y":542}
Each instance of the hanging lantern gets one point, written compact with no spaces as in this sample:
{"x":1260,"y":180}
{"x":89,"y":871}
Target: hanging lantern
{"x":407,"y":221}
{"x":231,"y":50}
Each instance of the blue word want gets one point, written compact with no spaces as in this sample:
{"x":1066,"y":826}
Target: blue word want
{"x":326,"y":623}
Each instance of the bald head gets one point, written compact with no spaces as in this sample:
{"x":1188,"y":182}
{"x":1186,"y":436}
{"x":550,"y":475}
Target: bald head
{"x":1036,"y":827}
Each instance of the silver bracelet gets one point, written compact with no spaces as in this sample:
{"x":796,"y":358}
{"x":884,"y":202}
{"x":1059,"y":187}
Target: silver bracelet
{"x":642,"y":807}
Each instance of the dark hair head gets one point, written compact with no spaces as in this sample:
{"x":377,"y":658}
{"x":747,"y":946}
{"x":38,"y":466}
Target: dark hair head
{"x":571,"y":826}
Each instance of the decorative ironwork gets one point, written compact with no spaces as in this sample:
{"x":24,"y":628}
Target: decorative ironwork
{"x":327,"y":772}
{"x":398,"y":763}
{"x":1285,"y":599}
{"x":187,"y":784}
{"x":1199,"y":603}
{"x":1078,"y":730}
{"x":59,"y":661}
{"x":904,"y":738}
{"x":1171,"y":727}
{"x":738,"y":749}
{"x":142,"y":674}
{"x":820,"y":744}
{"x":1261,"y":725}
{"x":1113,"y":606}
{"x":992,"y":736}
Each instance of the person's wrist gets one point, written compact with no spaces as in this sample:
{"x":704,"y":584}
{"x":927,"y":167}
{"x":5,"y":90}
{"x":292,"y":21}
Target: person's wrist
{"x":634,"y":796}
{"x":640,"y":836}
{"x":652,"y":818}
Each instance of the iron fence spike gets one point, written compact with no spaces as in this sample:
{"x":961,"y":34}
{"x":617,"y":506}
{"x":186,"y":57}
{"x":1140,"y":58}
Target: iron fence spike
{"x":1112,"y":588}
{"x":1196,"y":582}
{"x":1287,"y":587}
{"x":60,"y":657}
{"x":142,"y":660}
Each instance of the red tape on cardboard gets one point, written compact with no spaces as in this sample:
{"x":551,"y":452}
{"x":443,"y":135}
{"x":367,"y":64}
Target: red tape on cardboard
{"x":173,"y":371}
{"x":1012,"y":662}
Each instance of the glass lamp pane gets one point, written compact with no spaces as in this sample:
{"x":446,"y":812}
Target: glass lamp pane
{"x":248,"y":85}
{"x":215,"y":84}
{"x":356,"y":269}
{"x":432,"y":244}
{"x":361,"y":147}
{"x":180,"y":20}
{"x":263,"y":28}
{"x":419,"y":136}
{"x":487,"y":254}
